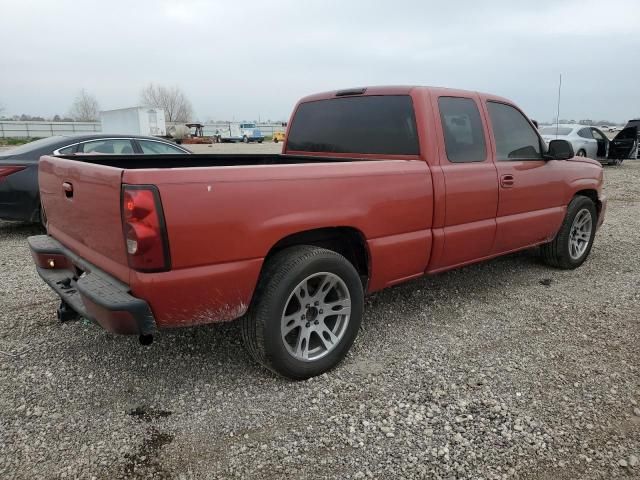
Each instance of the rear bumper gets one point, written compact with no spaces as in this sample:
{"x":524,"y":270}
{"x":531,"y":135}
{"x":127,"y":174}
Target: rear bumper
{"x":91,"y":292}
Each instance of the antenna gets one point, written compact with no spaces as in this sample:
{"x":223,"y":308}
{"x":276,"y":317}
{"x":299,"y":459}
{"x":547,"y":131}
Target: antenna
{"x":558,"y":113}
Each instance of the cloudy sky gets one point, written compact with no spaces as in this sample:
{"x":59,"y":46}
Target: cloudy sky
{"x":253,"y":59}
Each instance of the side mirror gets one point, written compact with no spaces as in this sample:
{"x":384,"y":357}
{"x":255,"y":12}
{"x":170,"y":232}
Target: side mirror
{"x":560,"y":150}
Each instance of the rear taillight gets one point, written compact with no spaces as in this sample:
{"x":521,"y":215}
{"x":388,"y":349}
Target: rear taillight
{"x":144,"y":229}
{"x":7,"y":170}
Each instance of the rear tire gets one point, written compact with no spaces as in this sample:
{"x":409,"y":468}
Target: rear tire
{"x":573,"y":242}
{"x":245,"y":139}
{"x":288,"y":328}
{"x":275,"y":140}
{"x":581,"y":153}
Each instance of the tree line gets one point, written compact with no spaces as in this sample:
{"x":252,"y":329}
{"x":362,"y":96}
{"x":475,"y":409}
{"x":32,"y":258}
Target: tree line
{"x":85,"y":106}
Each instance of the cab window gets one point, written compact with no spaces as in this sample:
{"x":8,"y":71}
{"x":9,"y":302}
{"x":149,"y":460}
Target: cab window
{"x":462,"y":128}
{"x":384,"y":125}
{"x":516,"y":138}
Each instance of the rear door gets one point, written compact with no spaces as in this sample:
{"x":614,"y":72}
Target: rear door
{"x":587,"y":146}
{"x":82,"y":204}
{"x":530,"y":207}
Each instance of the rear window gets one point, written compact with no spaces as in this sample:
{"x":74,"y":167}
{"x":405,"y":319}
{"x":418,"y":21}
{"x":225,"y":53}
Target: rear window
{"x":373,"y":124}
{"x":552,"y":131}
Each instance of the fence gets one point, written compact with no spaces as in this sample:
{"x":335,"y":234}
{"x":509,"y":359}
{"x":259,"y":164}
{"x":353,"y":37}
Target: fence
{"x":48,"y":129}
{"x":45,"y":129}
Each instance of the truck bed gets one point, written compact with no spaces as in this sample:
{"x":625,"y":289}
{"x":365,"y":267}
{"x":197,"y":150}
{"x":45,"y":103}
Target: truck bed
{"x":134,"y":162}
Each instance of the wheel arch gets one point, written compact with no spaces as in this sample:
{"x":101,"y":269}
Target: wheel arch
{"x":593,"y":195}
{"x":347,"y":241}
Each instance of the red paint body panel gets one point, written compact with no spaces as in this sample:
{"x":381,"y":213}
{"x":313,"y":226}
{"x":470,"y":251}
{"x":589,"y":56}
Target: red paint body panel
{"x":416,"y":213}
{"x":199,"y":295}
{"x":89,"y":223}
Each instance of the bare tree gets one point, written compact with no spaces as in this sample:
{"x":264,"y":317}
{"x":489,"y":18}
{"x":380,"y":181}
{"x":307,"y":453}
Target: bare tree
{"x":176,"y":105}
{"x":85,"y":107}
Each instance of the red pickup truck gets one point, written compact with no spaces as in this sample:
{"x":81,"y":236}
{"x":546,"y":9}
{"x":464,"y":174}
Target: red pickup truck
{"x":375,"y":186}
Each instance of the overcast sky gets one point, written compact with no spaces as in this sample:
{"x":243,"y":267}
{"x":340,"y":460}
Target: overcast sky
{"x":250,"y":59}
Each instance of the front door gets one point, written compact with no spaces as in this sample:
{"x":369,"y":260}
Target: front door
{"x":530,"y":206}
{"x":623,"y":144}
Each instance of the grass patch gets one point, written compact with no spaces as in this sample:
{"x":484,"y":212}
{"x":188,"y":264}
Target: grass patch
{"x":13,"y":141}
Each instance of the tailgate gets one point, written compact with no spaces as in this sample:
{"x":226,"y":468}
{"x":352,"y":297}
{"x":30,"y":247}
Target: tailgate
{"x":82,"y":205}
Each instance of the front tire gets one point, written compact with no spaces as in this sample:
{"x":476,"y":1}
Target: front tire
{"x":306,"y":312}
{"x":573,"y":242}
{"x":245,"y":139}
{"x":581,"y":153}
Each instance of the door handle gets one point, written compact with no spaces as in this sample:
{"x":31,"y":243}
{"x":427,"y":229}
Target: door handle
{"x":506,"y":181}
{"x":68,"y":189}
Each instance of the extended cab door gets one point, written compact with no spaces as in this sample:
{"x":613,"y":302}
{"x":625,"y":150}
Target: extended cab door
{"x":471,"y":184}
{"x":530,"y":207}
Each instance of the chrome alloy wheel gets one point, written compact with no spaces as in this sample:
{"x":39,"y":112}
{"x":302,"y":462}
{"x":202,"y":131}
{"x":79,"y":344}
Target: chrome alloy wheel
{"x":580,"y":234}
{"x":315,"y":316}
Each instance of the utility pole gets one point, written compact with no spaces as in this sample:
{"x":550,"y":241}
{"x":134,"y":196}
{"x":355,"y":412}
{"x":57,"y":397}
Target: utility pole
{"x":558,"y":111}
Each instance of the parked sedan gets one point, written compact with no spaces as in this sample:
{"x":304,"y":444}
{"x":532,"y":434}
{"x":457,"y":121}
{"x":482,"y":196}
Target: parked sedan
{"x":19,"y":194}
{"x":591,"y":142}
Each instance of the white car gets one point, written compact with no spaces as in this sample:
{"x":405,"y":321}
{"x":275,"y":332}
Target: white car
{"x":589,"y":142}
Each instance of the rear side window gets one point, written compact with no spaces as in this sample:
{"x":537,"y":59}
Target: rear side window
{"x":515,"y":138}
{"x":151,"y":147}
{"x":462,"y":127}
{"x":585,"y":133}
{"x":373,"y":124}
{"x":68,"y":150}
{"x":108,"y":146}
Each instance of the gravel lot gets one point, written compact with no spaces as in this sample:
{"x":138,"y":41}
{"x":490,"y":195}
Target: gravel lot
{"x":506,"y":369}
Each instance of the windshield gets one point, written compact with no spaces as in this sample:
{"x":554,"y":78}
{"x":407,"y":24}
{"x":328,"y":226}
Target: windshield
{"x":554,"y":131}
{"x":31,"y":146}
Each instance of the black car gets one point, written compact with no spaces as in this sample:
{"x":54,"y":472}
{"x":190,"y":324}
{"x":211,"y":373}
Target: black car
{"x":628,"y":140}
{"x":19,"y":194}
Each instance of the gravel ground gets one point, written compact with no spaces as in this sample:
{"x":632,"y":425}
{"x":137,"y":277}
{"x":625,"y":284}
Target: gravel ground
{"x":506,"y":369}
